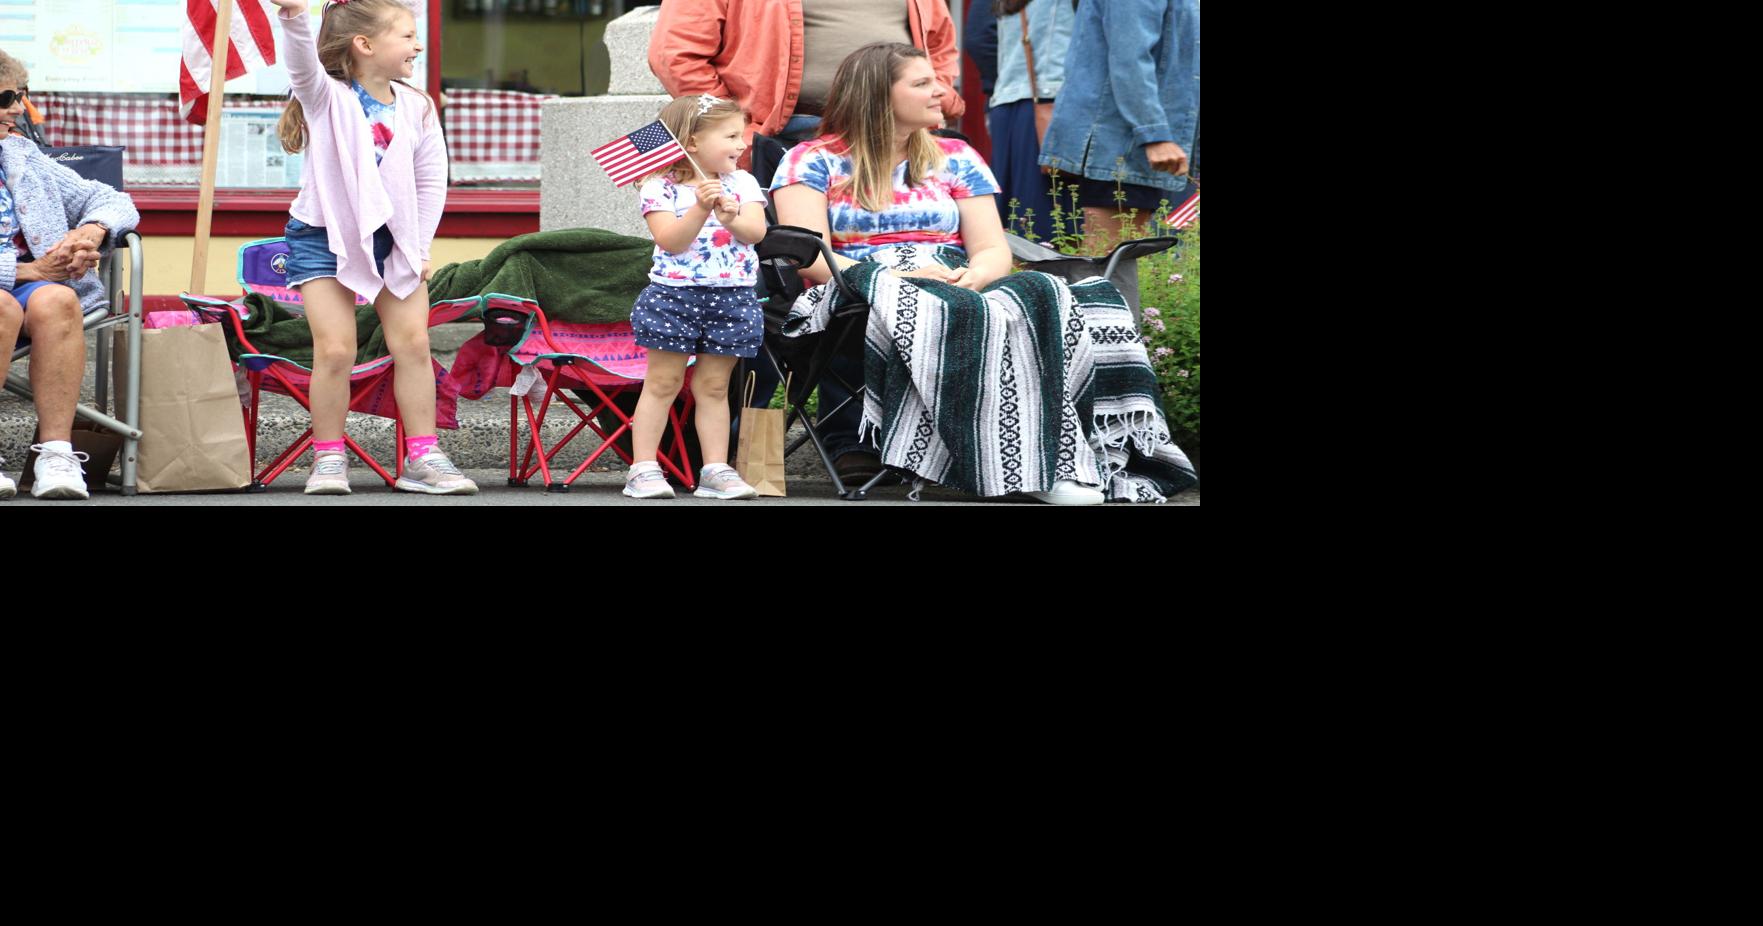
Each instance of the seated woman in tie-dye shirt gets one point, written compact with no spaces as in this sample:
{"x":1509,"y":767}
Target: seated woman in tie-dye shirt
{"x":974,"y":378}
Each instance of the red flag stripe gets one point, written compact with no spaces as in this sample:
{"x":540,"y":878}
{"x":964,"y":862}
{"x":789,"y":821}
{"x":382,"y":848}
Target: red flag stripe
{"x":1186,"y":213}
{"x":203,"y":16}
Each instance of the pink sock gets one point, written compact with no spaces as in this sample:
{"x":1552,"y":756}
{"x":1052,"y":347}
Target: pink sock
{"x":415,"y":447}
{"x":328,"y":446}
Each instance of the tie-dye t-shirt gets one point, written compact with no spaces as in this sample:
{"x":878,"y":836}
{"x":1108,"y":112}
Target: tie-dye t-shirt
{"x":379,"y":115}
{"x":715,"y":257}
{"x":926,"y":214}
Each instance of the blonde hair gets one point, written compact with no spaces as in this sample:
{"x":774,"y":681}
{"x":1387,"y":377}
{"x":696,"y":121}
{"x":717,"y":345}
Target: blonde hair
{"x":860,"y":111}
{"x":336,"y":35}
{"x":684,"y":119}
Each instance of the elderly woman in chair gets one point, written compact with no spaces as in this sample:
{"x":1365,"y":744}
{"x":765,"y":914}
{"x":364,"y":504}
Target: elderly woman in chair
{"x":974,"y":377}
{"x":53,"y":228}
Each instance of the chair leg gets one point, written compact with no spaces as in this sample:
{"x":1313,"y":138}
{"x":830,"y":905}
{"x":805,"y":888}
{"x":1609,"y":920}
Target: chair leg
{"x":281,"y":463}
{"x":367,"y":458}
{"x":514,"y":479}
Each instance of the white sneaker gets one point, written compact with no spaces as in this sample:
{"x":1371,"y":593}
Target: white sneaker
{"x":1066,"y":492}
{"x":8,"y":488}
{"x":434,"y":474}
{"x":58,"y":474}
{"x":646,"y":480}
{"x":719,"y":480}
{"x":330,"y":474}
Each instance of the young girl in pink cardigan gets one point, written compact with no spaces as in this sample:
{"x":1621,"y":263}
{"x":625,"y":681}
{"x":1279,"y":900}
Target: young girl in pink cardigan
{"x":371,"y":194}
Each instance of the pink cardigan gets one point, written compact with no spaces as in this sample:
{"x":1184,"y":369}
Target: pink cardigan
{"x":340,"y":187}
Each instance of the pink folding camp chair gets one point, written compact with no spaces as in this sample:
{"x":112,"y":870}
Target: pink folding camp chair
{"x":263,"y":270}
{"x":527,"y":351}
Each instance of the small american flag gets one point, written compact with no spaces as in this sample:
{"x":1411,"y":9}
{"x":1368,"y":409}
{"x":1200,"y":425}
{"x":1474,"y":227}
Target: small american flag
{"x":641,"y":152}
{"x":1184,"y":215}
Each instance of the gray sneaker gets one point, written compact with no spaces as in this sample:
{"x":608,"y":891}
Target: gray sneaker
{"x":646,"y":480}
{"x":719,"y":480}
{"x":434,"y":474}
{"x":330,"y":475}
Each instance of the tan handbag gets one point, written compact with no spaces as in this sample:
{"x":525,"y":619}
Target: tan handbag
{"x":1043,"y":111}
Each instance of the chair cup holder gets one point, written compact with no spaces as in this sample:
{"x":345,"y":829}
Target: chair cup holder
{"x":503,"y":327}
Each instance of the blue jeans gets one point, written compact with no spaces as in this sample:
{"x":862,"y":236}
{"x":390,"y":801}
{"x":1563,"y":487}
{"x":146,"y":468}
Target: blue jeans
{"x":799,"y":129}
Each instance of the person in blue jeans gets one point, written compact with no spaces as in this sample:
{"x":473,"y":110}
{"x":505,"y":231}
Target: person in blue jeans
{"x":1134,"y":120}
{"x":1028,"y":84}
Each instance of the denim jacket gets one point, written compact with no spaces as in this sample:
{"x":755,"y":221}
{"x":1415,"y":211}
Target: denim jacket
{"x":1133,"y":79}
{"x":1049,"y":28}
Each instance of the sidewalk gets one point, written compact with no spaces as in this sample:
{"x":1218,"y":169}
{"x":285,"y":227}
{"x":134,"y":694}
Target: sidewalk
{"x":593,"y":489}
{"x":480,"y":447}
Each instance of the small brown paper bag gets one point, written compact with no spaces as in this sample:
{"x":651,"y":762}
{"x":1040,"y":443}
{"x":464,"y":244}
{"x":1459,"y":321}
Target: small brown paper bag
{"x":759,"y":456}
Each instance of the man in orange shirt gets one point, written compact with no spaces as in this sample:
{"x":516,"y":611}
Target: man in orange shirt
{"x":776,"y":58}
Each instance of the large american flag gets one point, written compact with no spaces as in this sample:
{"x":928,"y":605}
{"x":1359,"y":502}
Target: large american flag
{"x":250,"y":44}
{"x":644,"y":151}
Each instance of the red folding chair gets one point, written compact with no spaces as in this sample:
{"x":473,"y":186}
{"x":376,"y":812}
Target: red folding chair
{"x":262,"y":270}
{"x":526,"y":351}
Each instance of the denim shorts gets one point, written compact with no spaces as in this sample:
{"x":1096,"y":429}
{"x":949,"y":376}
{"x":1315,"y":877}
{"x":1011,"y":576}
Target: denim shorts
{"x":24,"y":290}
{"x":309,"y":252}
{"x":723,"y":320}
{"x":1146,"y":199}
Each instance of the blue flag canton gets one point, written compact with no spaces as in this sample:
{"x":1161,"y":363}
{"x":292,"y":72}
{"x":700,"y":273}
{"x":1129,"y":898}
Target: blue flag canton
{"x":650,"y":137}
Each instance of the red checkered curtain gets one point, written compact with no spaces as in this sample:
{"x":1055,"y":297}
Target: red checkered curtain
{"x":493,"y":135}
{"x":162,"y":147}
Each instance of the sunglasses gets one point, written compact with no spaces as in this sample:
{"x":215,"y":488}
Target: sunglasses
{"x":9,"y":97}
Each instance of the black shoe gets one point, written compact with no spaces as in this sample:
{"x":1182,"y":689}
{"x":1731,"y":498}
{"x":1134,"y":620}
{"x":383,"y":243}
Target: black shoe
{"x":857,"y":467}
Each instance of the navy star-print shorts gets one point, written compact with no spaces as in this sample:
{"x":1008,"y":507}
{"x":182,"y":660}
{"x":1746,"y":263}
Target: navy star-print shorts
{"x":699,"y":320}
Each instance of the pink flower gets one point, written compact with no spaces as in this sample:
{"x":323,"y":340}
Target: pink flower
{"x":1164,"y":352}
{"x":1151,"y":313}
{"x":1159,"y":325}
{"x":1182,"y":373}
{"x":1175,"y":278}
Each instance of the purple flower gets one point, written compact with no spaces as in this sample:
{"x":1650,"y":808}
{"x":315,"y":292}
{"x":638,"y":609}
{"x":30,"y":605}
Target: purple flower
{"x":1175,"y":278}
{"x":1164,"y":352}
{"x":1151,"y":313}
{"x":1159,"y":325}
{"x":1182,"y":373}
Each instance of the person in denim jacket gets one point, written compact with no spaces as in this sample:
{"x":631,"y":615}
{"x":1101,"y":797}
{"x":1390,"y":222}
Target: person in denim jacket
{"x":1130,"y":113}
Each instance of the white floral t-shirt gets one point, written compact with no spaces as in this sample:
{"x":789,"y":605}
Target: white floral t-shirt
{"x":715,"y":258}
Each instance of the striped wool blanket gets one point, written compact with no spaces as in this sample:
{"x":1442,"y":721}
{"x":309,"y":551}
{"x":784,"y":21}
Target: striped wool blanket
{"x":1006,"y":390}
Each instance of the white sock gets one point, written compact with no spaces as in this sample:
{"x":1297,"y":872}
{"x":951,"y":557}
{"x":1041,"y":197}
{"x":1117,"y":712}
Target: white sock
{"x":50,"y":446}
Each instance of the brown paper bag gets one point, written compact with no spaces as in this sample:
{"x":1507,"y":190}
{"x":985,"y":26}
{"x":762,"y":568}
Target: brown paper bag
{"x":759,"y":456}
{"x":192,"y":429}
